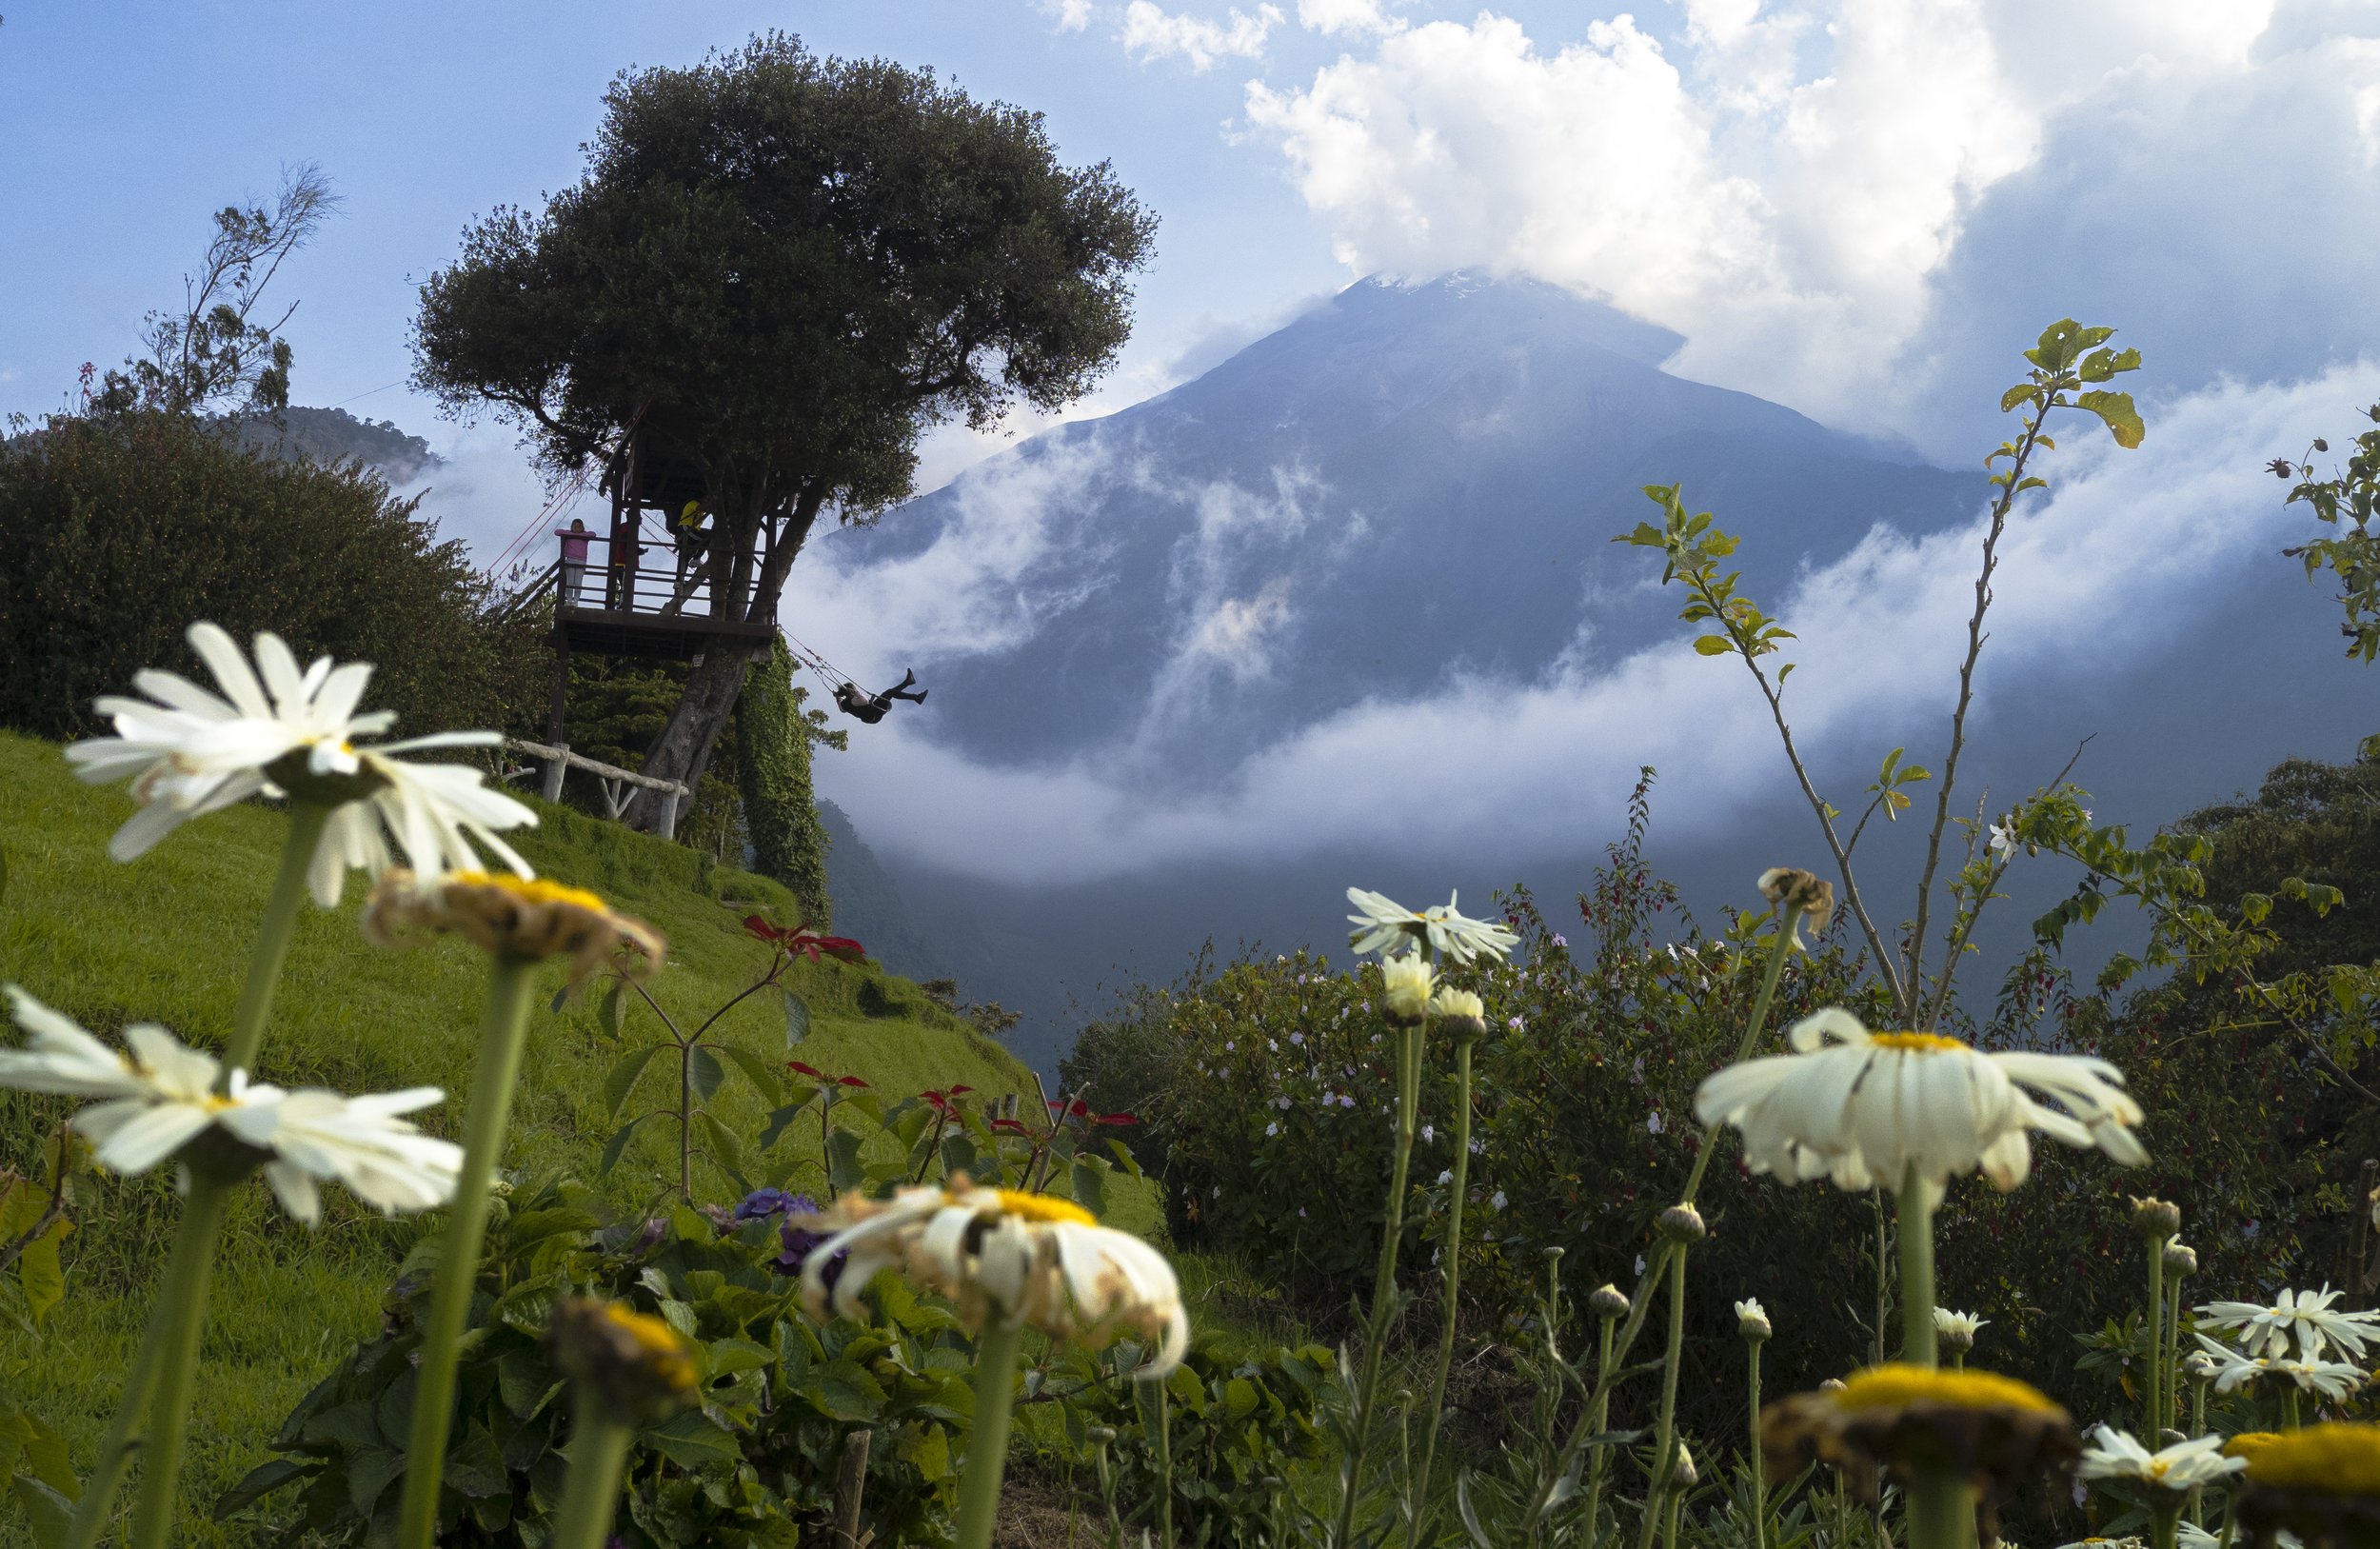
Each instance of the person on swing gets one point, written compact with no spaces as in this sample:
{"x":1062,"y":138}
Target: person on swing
{"x":870,"y":709}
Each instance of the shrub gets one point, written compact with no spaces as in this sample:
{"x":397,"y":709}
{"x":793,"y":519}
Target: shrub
{"x":120,"y":529}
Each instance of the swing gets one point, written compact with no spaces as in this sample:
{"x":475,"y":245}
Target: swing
{"x":849,"y":695}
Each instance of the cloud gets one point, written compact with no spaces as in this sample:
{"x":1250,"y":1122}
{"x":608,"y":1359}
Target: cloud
{"x":1067,"y":15}
{"x":1793,"y":185}
{"x":486,"y":493}
{"x":1151,"y":33}
{"x":2102,"y":578}
{"x":1341,"y":16}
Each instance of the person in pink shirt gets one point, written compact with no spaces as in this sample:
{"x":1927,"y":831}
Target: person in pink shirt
{"x":574,"y":541}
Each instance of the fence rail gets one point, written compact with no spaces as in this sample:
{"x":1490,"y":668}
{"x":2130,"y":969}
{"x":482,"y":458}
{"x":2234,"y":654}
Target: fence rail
{"x":620,"y":787}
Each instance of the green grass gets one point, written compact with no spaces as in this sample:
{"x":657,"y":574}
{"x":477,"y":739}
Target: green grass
{"x":167,"y":938}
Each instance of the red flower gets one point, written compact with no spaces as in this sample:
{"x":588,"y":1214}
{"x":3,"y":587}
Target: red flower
{"x":796,"y":941}
{"x":849,"y":1081}
{"x":811,"y":1071}
{"x":1010,"y":1126}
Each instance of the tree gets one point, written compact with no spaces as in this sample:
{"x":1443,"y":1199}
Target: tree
{"x":790,"y":844}
{"x":213,"y":356}
{"x":782,"y":269}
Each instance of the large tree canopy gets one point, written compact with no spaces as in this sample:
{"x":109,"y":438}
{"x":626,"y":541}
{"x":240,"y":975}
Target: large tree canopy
{"x":782,"y":269}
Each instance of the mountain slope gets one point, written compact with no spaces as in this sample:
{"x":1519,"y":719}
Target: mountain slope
{"x":1405,"y":487}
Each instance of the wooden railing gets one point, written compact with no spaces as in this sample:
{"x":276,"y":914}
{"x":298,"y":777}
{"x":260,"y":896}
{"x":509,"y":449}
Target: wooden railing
{"x":620,"y":786}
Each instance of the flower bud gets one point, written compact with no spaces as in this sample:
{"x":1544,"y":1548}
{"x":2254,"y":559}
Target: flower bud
{"x":2180,"y":1259}
{"x":2199,"y":1366}
{"x":1463,"y":1012}
{"x":1682,"y":1473}
{"x":1752,"y":1321}
{"x":513,"y":919}
{"x":1408,"y":982}
{"x":1955,"y":1331}
{"x":1609,"y":1301}
{"x":2156,"y":1218}
{"x":1795,"y":888}
{"x":1833,"y":1385}
{"x":1683,"y":1223}
{"x":1102,"y":1435}
{"x":637,"y":1366}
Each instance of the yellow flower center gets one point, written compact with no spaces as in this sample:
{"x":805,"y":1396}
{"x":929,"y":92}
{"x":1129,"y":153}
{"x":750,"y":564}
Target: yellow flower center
{"x":530,"y":889}
{"x":1043,"y":1210}
{"x":2342,"y":1460}
{"x":2247,"y":1443}
{"x":1892,"y":1386}
{"x":1917,"y":1043}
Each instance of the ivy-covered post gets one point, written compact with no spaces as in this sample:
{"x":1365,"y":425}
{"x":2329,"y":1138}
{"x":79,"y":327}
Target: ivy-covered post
{"x":773,"y":766}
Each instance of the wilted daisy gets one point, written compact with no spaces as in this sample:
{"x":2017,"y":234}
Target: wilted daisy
{"x":511,"y":918}
{"x":2306,"y":1315}
{"x":188,"y":751}
{"x":1004,"y":1255}
{"x":2321,"y":1483}
{"x":1913,"y":1422}
{"x":1752,"y":1319}
{"x":2180,"y":1468}
{"x":1386,"y":925}
{"x":1858,"y":1107}
{"x":162,"y":1097}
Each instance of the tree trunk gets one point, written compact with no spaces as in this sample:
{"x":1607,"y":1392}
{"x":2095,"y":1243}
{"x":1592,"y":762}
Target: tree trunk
{"x":683,"y":750}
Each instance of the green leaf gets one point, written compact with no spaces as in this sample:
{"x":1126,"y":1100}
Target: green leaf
{"x":797,"y":1019}
{"x":958,"y":1154}
{"x":929,"y":1453}
{"x":259,"y":1482}
{"x":782,"y":1118}
{"x":615,"y":1147}
{"x":693,"y":1439}
{"x":757,"y":1071}
{"x":2016,"y":396}
{"x":844,"y":1169}
{"x":607,"y":1014}
{"x":1713,"y":645}
{"x":2116,"y":410}
{"x":705,"y":1073}
{"x":38,"y":1272}
{"x":725,"y":1149}
{"x":51,"y":1514}
{"x":560,"y":997}
{"x":1090,"y":1187}
{"x":845,"y":1390}
{"x":621,"y":1078}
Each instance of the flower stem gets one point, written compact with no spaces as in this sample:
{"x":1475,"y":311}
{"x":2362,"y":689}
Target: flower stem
{"x":2173,"y":1368}
{"x":1914,"y":1212}
{"x":1419,"y":1482}
{"x":183,"y":1300}
{"x":1591,"y":1424}
{"x":1366,"y":1395}
{"x":2288,"y":1405}
{"x":2151,"y":1407}
{"x":1940,"y":1514}
{"x":2165,"y":1520}
{"x":1599,"y":1415}
{"x":1759,"y":1483}
{"x":1164,"y":1468}
{"x":123,"y":1438}
{"x":987,"y":1445}
{"x":2197,"y":1427}
{"x":1665,"y":1431}
{"x":504,"y":1028}
{"x":590,"y":1492}
{"x":282,"y":907}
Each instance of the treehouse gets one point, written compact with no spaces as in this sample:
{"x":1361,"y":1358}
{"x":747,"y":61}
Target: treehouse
{"x":646,"y":586}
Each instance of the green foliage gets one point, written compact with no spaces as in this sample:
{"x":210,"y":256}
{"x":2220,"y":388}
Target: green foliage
{"x":753,"y":1466}
{"x":2344,"y":502}
{"x":789,"y":321}
{"x":774,"y":738}
{"x":86,"y":934}
{"x":121,"y":529}
{"x":1235,"y":1429}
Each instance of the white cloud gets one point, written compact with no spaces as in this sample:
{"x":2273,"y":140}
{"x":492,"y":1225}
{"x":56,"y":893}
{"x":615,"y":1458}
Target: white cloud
{"x":1067,"y":15}
{"x":1337,"y":16}
{"x":2102,"y":577}
{"x":1787,"y":183}
{"x":1151,"y":33}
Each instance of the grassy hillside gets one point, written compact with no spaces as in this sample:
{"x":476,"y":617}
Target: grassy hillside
{"x":167,"y":938}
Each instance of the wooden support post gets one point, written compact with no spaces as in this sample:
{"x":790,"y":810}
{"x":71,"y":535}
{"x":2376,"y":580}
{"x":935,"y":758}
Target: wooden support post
{"x":555,"y":767}
{"x":850,"y":1485}
{"x":666,"y":823}
{"x":559,"y":691}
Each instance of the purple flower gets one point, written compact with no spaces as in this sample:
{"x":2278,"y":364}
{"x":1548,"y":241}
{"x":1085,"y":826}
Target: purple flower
{"x":761,"y":1203}
{"x":650,"y":1236}
{"x":1560,"y":940}
{"x":799,"y":1241}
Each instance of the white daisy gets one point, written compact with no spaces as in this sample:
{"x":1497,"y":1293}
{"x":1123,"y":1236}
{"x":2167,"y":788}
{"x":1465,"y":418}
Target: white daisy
{"x":1386,"y":925}
{"x":2183,"y":1466}
{"x":2004,"y":836}
{"x":163,"y":1096}
{"x":2306,"y":1314}
{"x":382,"y":1159}
{"x":1957,"y":1329}
{"x":1000,"y":1252}
{"x":188,"y":751}
{"x":1752,"y":1319}
{"x":1858,"y":1107}
{"x":1408,"y":982}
